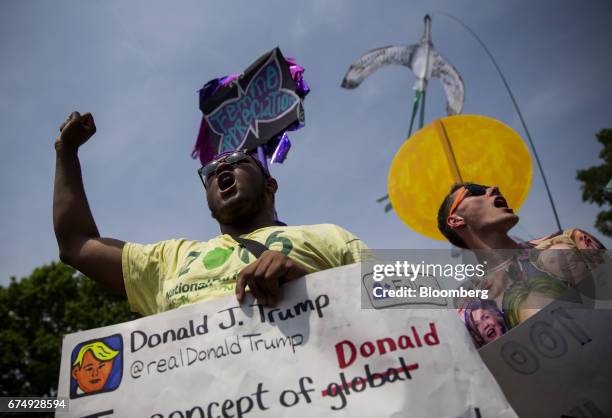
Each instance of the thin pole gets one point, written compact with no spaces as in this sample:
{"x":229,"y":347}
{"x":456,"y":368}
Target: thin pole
{"x":448,"y":151}
{"x":415,"y":107}
{"x":518,"y":110}
{"x":418,"y":96}
{"x":422,"y":115}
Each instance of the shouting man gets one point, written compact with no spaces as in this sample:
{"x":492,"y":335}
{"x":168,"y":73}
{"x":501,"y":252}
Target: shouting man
{"x":478,"y":218}
{"x":252,"y":250}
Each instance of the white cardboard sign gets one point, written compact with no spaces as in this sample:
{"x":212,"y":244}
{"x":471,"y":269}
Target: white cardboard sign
{"x":317,"y":354}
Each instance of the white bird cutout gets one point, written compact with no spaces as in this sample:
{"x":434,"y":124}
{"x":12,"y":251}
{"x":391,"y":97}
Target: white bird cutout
{"x":422,"y":59}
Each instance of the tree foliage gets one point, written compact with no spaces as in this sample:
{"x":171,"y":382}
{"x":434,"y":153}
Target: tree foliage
{"x":36,"y":312}
{"x":594,"y":181}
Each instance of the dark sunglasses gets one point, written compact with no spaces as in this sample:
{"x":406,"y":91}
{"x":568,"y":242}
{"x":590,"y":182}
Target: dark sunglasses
{"x":469,"y":189}
{"x":232,"y":158}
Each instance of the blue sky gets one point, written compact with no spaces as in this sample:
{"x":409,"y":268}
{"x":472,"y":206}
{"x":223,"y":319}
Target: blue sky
{"x":137,"y":67}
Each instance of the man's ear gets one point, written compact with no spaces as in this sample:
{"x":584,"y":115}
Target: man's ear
{"x":271,"y":185}
{"x":455,"y":221}
{"x":75,"y":369}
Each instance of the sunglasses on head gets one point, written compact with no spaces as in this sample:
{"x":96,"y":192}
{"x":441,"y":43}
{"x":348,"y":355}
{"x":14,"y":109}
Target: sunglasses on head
{"x":469,"y":189}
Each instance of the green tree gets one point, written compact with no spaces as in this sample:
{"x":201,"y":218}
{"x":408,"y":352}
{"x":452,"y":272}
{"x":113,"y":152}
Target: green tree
{"x":36,"y":312}
{"x":594,"y":181}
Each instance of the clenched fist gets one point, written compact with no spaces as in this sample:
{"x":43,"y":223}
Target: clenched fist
{"x":75,"y":131}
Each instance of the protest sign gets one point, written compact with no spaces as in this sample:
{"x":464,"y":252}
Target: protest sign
{"x":557,"y":363}
{"x":260,"y":104}
{"x":318,"y":353}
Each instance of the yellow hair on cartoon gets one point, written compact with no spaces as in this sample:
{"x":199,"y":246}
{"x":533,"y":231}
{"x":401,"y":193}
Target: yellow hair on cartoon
{"x":99,"y":350}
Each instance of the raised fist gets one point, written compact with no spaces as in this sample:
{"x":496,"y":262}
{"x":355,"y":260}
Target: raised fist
{"x":76,"y":130}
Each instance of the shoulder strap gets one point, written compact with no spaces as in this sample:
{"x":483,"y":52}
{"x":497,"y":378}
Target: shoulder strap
{"x":255,"y":247}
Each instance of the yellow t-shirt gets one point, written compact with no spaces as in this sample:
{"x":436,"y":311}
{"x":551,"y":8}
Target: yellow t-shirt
{"x":172,"y":273}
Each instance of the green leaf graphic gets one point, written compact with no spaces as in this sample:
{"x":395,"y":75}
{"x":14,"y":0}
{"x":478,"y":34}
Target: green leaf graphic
{"x":217,"y":257}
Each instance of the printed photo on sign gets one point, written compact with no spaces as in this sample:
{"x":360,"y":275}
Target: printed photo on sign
{"x":526,"y":281}
{"x":493,"y":291}
{"x":96,"y":366}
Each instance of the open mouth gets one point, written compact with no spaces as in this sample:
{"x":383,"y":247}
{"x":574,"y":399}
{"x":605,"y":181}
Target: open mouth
{"x":95,"y":381}
{"x":500,"y":202}
{"x":491,"y":332}
{"x":226,"y":180}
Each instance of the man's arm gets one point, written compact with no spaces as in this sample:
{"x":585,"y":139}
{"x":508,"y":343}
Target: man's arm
{"x":79,"y":241}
